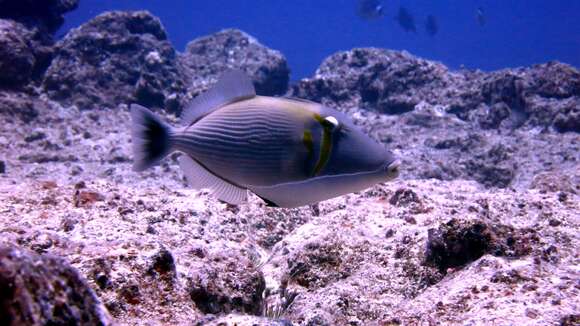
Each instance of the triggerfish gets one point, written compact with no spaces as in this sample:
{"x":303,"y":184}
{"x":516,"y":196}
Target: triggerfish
{"x":289,"y":152}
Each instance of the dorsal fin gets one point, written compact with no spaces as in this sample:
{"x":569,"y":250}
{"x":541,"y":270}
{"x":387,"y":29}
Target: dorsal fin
{"x":303,"y":100}
{"x":233,"y":85}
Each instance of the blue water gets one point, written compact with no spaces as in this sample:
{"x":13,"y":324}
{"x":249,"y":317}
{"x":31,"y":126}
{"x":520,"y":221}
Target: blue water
{"x":517,"y":32}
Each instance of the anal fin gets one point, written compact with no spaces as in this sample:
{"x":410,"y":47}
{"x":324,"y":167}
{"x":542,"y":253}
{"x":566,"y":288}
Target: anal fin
{"x":199,"y":177}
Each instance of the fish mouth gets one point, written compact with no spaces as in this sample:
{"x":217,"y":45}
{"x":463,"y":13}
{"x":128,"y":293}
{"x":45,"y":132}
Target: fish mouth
{"x":392,"y":169}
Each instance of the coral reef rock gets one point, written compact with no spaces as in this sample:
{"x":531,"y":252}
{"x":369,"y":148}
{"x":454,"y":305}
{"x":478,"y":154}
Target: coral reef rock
{"x":454,"y":244}
{"x":225,"y":281}
{"x":26,"y":38}
{"x":125,"y":57}
{"x":16,"y":53}
{"x":24,"y":54}
{"x":45,"y":290}
{"x":395,"y":82}
{"x":388,"y":81}
{"x":117,"y":57}
{"x":211,"y":55}
{"x":409,"y":251}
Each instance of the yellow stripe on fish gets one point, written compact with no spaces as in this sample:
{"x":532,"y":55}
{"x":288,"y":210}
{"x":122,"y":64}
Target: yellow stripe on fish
{"x":328,"y":125}
{"x":308,"y":141}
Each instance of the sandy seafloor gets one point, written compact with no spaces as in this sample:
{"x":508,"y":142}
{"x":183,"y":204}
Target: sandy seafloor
{"x":359,"y":256}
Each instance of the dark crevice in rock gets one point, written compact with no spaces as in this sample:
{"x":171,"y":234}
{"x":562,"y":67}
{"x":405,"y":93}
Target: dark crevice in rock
{"x":226,"y":285}
{"x":457,"y":243}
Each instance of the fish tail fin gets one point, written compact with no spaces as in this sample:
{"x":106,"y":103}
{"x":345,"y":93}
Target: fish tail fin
{"x":150,"y":136}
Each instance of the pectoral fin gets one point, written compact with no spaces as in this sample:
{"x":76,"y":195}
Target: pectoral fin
{"x":199,"y":177}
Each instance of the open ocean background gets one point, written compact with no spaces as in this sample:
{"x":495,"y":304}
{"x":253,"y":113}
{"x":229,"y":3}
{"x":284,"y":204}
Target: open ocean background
{"x":517,"y":32}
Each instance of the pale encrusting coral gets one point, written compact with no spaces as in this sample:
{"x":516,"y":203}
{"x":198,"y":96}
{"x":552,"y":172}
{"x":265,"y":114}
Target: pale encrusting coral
{"x":482,"y":227}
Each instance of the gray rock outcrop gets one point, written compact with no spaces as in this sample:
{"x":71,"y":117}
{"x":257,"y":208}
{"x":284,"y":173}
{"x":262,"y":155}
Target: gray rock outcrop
{"x":26,"y":38}
{"x":19,"y":105}
{"x":206,"y":58}
{"x":395,"y":82}
{"x":24,"y":54}
{"x":124,"y":57}
{"x":45,"y":290}
{"x":117,"y":57}
{"x":387,"y":81}
{"x":226,"y":281}
{"x":16,"y":54}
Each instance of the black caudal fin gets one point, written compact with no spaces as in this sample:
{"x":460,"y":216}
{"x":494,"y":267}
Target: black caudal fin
{"x":151,"y":138}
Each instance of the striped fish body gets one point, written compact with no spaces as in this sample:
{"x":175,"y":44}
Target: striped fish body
{"x":289,"y":152}
{"x":258,"y":141}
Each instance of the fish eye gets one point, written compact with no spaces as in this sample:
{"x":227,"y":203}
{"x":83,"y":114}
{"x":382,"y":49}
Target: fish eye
{"x":331,"y":122}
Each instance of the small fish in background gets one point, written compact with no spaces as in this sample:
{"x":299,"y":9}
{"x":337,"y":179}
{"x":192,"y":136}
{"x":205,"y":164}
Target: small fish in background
{"x":480,"y":17}
{"x":289,"y":152}
{"x":370,"y":9}
{"x":431,"y":25}
{"x":406,"y":20}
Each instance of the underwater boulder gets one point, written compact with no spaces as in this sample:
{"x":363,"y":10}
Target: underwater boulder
{"x":227,"y":282}
{"x":495,"y":167}
{"x":558,"y":181}
{"x":544,"y":95}
{"x":394,"y":82}
{"x":24,"y":54}
{"x":553,"y":80}
{"x":390,"y":82}
{"x":117,"y":57}
{"x":16,"y":54}
{"x":503,"y":87}
{"x":568,"y":118}
{"x":206,"y":58}
{"x":45,"y":290}
{"x":553,"y":95}
{"x":563,"y":114}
